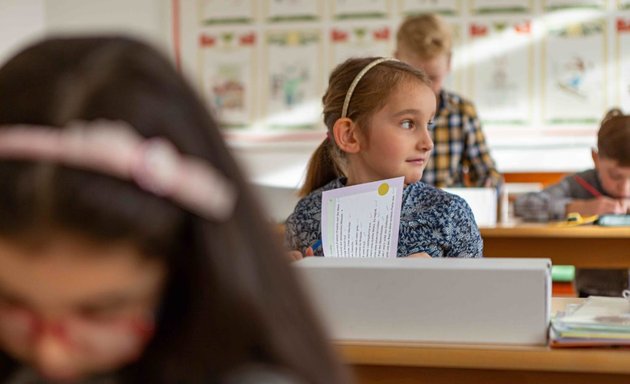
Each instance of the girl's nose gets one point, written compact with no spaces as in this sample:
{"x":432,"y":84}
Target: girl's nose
{"x":53,"y":357}
{"x":425,"y":143}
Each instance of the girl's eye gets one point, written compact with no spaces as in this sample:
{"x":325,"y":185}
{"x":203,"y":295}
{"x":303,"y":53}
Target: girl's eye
{"x":431,"y":124}
{"x":407,"y":124}
{"x":9,"y":302}
{"x":99,"y":314}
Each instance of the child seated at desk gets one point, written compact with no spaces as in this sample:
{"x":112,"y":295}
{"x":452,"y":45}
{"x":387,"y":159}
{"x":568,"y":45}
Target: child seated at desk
{"x":603,"y":189}
{"x":461,"y":156}
{"x":379,"y":113}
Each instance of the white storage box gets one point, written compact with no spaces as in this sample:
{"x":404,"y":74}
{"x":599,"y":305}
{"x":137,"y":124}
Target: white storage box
{"x":504,"y":301}
{"x":483,"y":202}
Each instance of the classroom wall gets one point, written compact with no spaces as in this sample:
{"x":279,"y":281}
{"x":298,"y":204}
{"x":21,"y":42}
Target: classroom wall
{"x":22,"y":21}
{"x":270,"y":164}
{"x":149,"y":19}
{"x":241,"y":52}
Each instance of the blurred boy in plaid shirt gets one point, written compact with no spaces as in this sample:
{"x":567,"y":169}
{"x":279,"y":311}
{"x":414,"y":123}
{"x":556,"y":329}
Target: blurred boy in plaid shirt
{"x":460,"y":156}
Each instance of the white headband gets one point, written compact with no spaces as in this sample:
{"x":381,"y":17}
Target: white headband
{"x":353,"y":85}
{"x":114,"y":148}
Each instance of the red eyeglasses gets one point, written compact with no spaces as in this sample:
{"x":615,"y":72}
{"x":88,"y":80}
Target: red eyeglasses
{"x":112,"y":339}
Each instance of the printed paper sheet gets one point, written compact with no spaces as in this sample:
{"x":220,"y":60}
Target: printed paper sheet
{"x":362,"y":220}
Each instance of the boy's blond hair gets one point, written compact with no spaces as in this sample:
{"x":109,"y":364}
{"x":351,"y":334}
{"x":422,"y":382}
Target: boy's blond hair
{"x":426,"y":36}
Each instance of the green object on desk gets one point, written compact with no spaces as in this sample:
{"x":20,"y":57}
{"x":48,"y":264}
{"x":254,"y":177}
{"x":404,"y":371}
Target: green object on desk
{"x":562,"y":273}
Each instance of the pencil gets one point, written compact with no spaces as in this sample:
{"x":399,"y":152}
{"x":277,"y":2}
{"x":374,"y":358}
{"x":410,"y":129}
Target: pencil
{"x":316,"y":245}
{"x":592,"y":190}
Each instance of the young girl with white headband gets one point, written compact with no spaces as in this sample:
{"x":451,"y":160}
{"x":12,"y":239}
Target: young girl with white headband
{"x":131,"y":250}
{"x":378,"y":113}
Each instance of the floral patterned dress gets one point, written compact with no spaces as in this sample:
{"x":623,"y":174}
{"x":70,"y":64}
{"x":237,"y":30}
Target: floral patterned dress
{"x":431,"y":220}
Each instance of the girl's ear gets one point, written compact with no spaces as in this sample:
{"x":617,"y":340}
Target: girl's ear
{"x":346,"y":134}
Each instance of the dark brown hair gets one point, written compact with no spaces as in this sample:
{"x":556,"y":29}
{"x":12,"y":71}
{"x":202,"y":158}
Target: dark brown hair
{"x":613,"y":138}
{"x":370,"y":95}
{"x":231,"y":297}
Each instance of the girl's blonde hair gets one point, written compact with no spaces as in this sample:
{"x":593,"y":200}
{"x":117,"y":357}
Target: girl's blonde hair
{"x":369,"y":96}
{"x":426,"y":36}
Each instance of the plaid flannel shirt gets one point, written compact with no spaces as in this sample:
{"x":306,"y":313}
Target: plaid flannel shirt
{"x":459,"y":147}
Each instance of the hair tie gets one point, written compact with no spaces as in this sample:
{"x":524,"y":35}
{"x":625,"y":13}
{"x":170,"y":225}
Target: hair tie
{"x":353,"y":85}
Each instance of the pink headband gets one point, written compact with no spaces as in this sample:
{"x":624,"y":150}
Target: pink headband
{"x":115,"y":149}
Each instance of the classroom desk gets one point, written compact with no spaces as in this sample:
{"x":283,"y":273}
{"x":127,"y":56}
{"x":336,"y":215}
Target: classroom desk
{"x":405,"y":363}
{"x":588,"y":246}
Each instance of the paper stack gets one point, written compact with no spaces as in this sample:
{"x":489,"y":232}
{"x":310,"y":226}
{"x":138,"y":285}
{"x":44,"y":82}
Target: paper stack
{"x":599,"y":321}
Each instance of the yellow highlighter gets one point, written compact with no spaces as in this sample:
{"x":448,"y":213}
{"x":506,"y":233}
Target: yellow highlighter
{"x":574,"y":219}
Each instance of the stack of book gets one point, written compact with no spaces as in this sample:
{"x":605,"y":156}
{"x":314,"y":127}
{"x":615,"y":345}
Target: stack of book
{"x":599,"y":321}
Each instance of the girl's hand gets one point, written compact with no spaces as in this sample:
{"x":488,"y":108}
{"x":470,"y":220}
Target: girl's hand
{"x":422,"y":255}
{"x":297,"y":255}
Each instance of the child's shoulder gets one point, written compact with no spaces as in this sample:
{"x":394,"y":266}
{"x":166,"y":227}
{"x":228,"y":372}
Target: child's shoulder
{"x":314,"y":199}
{"x":317,"y":194}
{"x":578,"y":180}
{"x":434,"y":207}
{"x":588,"y":175}
{"x":457,"y":102}
{"x":429,"y":195}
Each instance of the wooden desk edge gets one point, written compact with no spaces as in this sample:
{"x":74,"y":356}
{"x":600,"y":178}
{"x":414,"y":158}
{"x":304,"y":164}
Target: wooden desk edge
{"x":551,"y":230}
{"x":541,"y":358}
{"x":488,"y":356}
